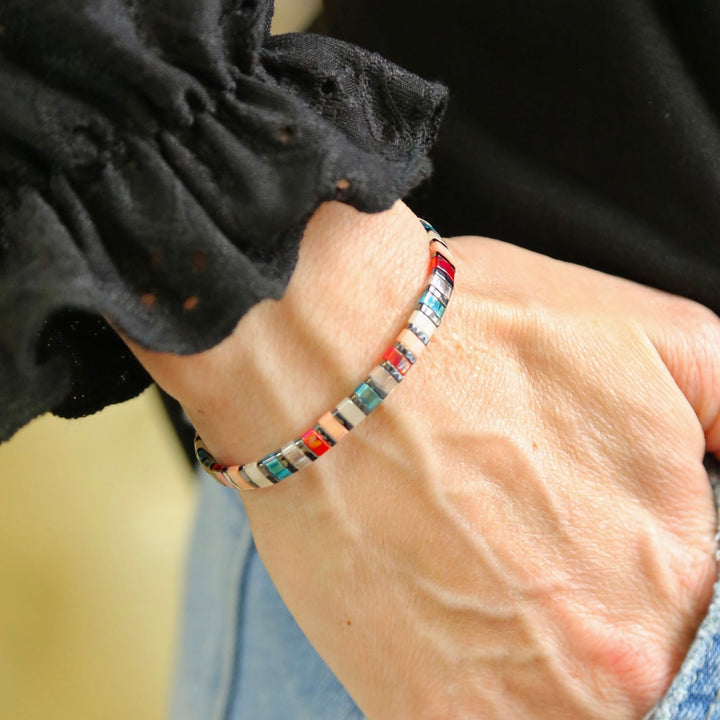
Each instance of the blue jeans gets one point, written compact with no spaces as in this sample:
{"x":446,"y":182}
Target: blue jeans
{"x":243,"y":657}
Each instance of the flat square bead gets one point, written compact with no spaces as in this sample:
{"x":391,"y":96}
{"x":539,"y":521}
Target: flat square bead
{"x":236,"y":478}
{"x":433,"y":303}
{"x":246,"y":478}
{"x":397,"y":360}
{"x":367,"y":398}
{"x":419,"y":334}
{"x":423,"y":323}
{"x":440,"y":263}
{"x":440,"y":283}
{"x":255,"y":475}
{"x":316,"y":442}
{"x":430,"y":313}
{"x":350,"y":411}
{"x":276,"y":467}
{"x":295,"y":456}
{"x":334,"y":428}
{"x":412,"y":342}
{"x":383,"y":379}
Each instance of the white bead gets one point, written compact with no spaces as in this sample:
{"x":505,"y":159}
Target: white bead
{"x":423,"y":323}
{"x":438,"y":282}
{"x":383,"y":379}
{"x":256,"y":475}
{"x":295,"y":456}
{"x":350,"y":411}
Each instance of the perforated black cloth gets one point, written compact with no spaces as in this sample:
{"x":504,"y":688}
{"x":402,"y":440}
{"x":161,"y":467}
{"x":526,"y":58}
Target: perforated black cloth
{"x":158,"y":162}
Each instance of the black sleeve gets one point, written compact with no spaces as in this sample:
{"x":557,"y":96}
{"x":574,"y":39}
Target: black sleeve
{"x":158,"y":162}
{"x":584,"y":129}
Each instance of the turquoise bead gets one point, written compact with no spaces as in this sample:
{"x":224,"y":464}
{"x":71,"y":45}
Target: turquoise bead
{"x":436,"y":305}
{"x":275,"y":467}
{"x":368,"y":397}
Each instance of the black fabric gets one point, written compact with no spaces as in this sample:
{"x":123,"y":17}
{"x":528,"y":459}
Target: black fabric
{"x":158,"y":162}
{"x":158,"y":159}
{"x":588,"y":130}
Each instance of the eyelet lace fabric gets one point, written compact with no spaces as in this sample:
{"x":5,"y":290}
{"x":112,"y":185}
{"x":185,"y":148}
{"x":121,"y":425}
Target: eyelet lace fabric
{"x":158,"y":162}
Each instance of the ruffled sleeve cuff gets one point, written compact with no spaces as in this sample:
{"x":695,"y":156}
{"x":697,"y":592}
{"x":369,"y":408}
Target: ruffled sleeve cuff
{"x":158,"y":163}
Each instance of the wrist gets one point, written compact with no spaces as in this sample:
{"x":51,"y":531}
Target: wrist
{"x":357,"y":280}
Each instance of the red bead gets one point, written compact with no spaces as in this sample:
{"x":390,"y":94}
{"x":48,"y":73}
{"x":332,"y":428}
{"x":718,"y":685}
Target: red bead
{"x":441,"y":263}
{"x":397,"y":360}
{"x":316,"y":442}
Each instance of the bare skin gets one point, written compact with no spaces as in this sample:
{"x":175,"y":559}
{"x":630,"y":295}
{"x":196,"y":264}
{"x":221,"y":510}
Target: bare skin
{"x":524,"y":529}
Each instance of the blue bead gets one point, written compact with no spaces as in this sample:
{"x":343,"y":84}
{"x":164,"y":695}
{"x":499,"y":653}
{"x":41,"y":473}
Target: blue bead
{"x":275,"y":467}
{"x":430,"y":301}
{"x":368,"y":397}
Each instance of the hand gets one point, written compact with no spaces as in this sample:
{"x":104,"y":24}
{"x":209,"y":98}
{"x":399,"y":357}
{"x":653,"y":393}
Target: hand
{"x":525,"y":527}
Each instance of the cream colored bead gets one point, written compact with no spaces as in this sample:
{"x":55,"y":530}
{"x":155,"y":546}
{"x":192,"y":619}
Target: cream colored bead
{"x":423,"y":323}
{"x":350,"y":411}
{"x":256,"y":475}
{"x":412,"y":342}
{"x":295,"y":456}
{"x":383,"y":379}
{"x":334,"y":428}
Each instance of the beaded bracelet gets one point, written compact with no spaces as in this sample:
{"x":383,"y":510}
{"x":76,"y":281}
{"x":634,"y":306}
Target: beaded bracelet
{"x":367,"y":396}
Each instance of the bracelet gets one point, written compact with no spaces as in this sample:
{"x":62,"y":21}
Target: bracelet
{"x":352,"y":410}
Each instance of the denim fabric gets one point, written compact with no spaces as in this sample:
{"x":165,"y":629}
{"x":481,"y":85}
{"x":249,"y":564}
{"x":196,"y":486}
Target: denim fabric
{"x":243,"y":656}
{"x":695,"y":692}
